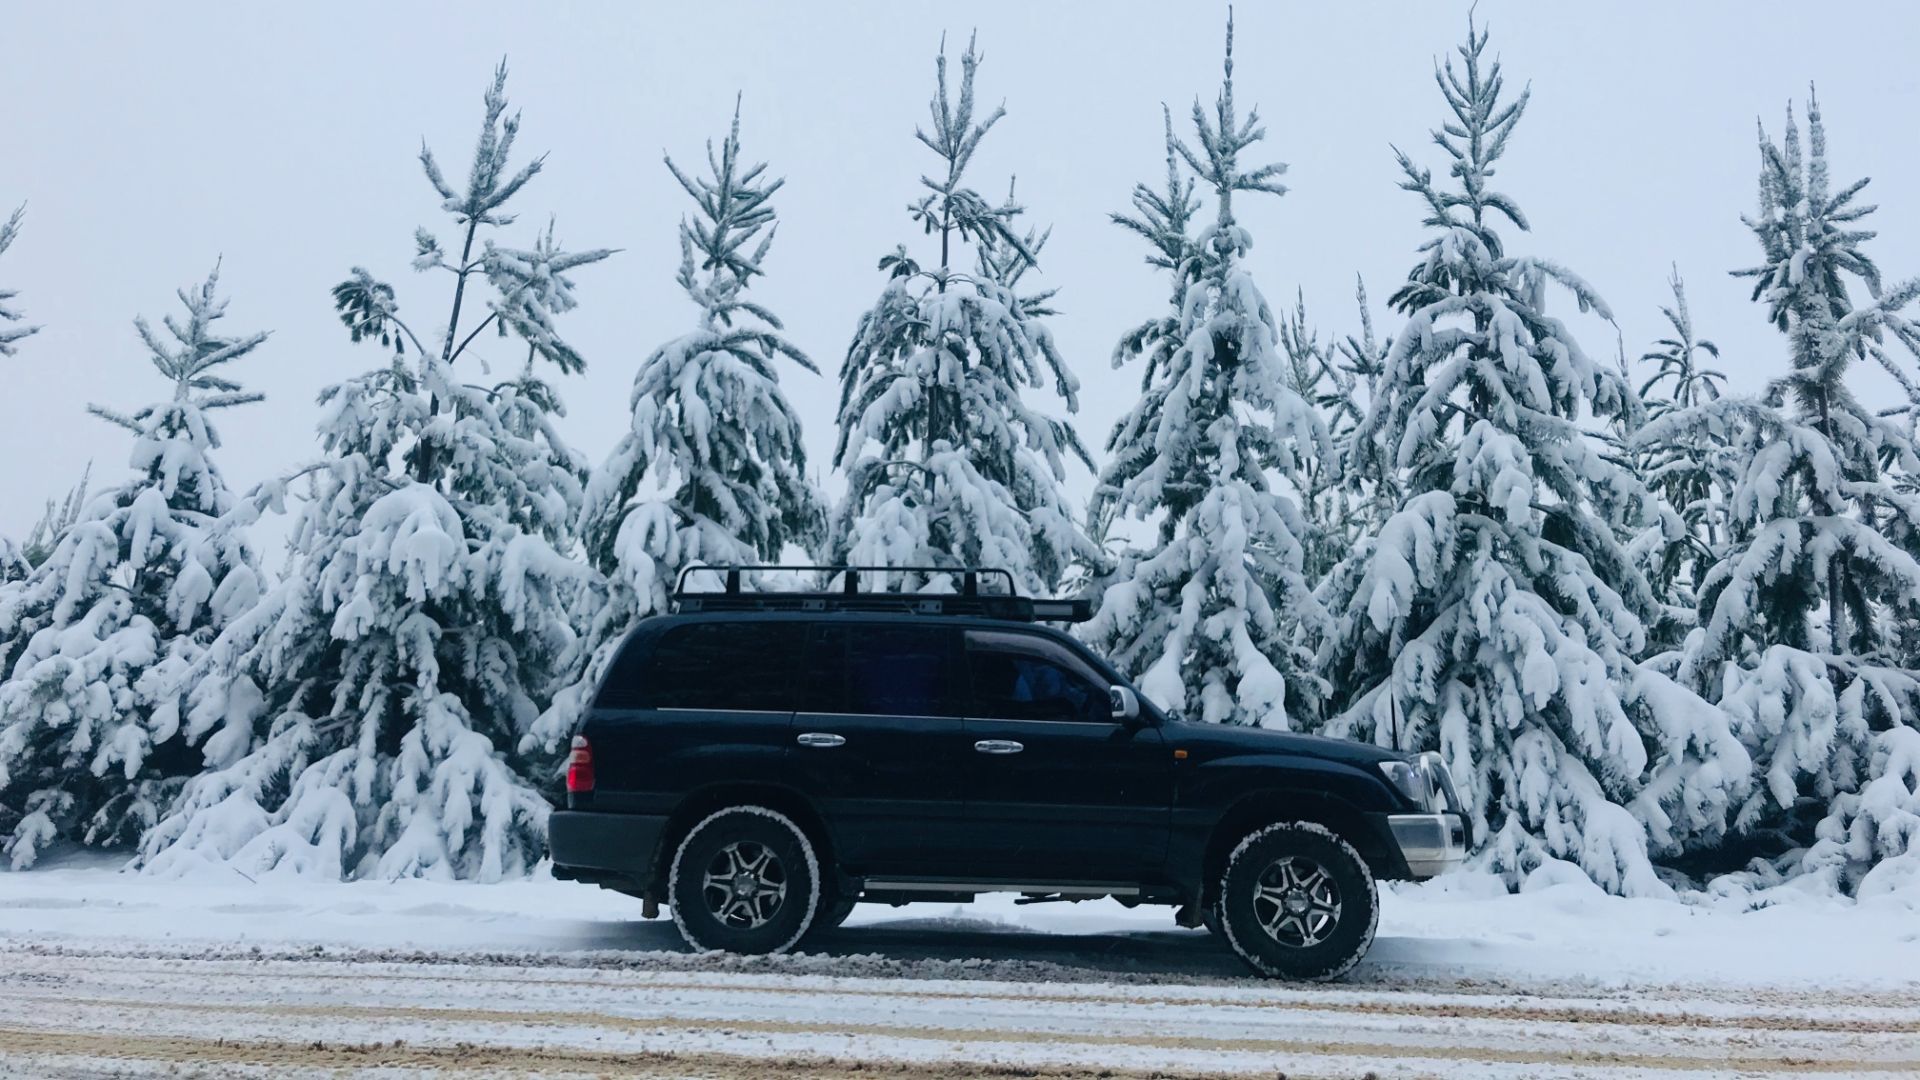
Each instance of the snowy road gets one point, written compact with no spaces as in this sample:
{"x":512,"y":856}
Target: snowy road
{"x":84,"y":1012}
{"x":105,"y":974}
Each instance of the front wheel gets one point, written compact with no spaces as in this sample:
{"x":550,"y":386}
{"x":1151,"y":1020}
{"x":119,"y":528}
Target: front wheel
{"x":1298,"y":902}
{"x":745,"y":880}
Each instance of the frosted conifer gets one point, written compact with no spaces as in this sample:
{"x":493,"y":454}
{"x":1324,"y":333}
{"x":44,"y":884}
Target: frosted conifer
{"x":363,"y":719}
{"x":711,"y":469}
{"x":1495,"y":616}
{"x":1804,"y":616}
{"x":1202,"y":611}
{"x":946,"y":462}
{"x":95,"y":640}
{"x":1685,"y":475}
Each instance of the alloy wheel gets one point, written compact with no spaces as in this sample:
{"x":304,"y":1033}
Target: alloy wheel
{"x":1297,"y":902}
{"x":744,"y":885}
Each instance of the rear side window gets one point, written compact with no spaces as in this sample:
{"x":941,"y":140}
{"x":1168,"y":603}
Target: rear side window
{"x":717,"y":665}
{"x":883,"y":669}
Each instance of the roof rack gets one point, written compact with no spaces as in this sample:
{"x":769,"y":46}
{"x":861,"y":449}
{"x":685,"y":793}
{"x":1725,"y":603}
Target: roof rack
{"x":970,"y":598}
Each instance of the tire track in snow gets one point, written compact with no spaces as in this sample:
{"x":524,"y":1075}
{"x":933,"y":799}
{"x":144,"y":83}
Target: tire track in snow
{"x":1639,"y":1013}
{"x":471,"y":1022}
{"x":322,"y":1014}
{"x":94,"y":1053}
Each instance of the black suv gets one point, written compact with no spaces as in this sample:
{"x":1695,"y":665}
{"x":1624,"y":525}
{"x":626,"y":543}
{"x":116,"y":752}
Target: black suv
{"x":762,"y":761}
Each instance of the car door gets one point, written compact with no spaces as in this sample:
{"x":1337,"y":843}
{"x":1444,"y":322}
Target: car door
{"x":1057,"y":789}
{"x":880,"y":745}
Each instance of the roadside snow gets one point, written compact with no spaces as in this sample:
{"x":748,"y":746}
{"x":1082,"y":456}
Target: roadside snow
{"x":1458,"y":930}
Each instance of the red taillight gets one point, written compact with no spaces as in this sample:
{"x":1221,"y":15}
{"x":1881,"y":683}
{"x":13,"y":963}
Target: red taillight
{"x":580,"y":767}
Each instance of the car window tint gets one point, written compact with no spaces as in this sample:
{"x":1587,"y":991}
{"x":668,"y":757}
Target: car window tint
{"x":898,"y":671}
{"x":720,"y":665}
{"x":620,"y":688}
{"x":1018,"y":676}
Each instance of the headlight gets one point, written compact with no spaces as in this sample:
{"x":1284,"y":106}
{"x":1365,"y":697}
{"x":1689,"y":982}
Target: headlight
{"x":1411,"y":778}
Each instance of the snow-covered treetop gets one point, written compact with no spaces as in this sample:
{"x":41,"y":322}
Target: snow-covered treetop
{"x":949,"y":208}
{"x":1217,"y":161}
{"x":530,"y":285}
{"x":1812,"y":247}
{"x":174,"y":437}
{"x":721,"y":248}
{"x":55,"y":519}
{"x":488,"y":184}
{"x":10,"y":334}
{"x":190,"y":359}
{"x":1680,"y":381}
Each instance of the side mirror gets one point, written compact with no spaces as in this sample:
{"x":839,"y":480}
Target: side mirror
{"x":1126,"y":703}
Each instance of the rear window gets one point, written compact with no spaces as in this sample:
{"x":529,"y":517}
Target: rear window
{"x":884,"y":669}
{"x":717,"y":665}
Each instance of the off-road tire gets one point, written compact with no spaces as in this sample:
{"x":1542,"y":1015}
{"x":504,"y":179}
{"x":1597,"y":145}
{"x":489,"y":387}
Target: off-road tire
{"x":713,"y":849}
{"x":1248,"y":909}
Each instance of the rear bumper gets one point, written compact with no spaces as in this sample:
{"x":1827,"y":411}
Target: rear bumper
{"x":1431,"y":844}
{"x":616,"y":850}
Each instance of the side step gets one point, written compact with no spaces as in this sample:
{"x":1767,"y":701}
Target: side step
{"x":961,"y":886}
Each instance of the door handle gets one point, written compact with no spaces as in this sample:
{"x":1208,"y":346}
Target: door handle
{"x":822,"y":739}
{"x":998,"y":746}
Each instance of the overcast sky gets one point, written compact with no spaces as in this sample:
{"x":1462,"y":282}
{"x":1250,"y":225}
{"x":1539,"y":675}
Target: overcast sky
{"x":150,"y":139}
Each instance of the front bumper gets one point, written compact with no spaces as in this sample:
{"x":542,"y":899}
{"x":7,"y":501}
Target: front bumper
{"x":1431,"y":844}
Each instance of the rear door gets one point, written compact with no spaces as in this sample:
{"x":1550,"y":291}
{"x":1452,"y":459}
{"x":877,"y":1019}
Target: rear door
{"x":694,"y":703}
{"x":1058,"y":790}
{"x":879,"y":743}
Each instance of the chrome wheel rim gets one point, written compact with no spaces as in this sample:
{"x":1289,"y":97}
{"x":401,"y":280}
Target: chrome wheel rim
{"x":744,"y":885}
{"x":1297,"y":902}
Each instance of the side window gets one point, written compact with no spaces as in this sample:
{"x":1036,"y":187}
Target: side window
{"x":621,"y":687}
{"x":881,"y":669}
{"x":716,"y":665}
{"x":1017,"y":676}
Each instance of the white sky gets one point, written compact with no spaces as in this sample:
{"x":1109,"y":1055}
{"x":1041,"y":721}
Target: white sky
{"x":149,"y":139}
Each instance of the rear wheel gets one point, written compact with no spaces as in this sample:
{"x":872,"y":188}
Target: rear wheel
{"x":1298,"y":902}
{"x":745,"y":880}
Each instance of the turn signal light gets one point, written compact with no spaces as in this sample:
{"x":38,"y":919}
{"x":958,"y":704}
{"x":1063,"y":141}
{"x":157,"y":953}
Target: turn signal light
{"x":580,"y":767}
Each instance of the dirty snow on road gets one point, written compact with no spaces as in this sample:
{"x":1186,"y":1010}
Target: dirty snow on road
{"x":110,"y":974}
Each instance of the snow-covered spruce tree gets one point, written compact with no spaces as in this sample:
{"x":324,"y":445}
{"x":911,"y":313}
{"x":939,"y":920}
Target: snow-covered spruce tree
{"x":1682,"y":474}
{"x":362,"y":719}
{"x":1203,"y":612}
{"x":1495,"y":616}
{"x":946,"y":463}
{"x":1164,"y":219}
{"x":711,"y":469}
{"x":1803,"y":612}
{"x":94,"y":641}
{"x":1334,"y":497}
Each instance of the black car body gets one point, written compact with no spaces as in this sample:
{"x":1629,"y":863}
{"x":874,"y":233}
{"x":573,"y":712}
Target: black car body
{"x":938,"y":756}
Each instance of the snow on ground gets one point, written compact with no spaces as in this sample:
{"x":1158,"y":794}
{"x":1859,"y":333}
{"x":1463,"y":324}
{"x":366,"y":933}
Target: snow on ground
{"x":1460,"y":928}
{"x":111,"y":974}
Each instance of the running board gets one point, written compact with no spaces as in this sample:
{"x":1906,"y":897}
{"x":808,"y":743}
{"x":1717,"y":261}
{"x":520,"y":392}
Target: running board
{"x":955,"y":885}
